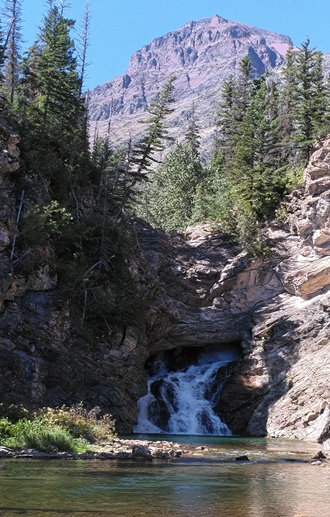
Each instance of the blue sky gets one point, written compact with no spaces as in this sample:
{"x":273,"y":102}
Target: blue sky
{"x":120,"y":27}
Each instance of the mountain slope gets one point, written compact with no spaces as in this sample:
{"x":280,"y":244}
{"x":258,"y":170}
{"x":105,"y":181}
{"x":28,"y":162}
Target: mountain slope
{"x":200,"y":55}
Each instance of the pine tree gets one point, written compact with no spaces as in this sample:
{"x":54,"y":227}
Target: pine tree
{"x":244,"y":89}
{"x":136,"y":162}
{"x":52,"y":108}
{"x":13,"y":16}
{"x":153,"y":141}
{"x":236,"y":98}
{"x":2,"y":58}
{"x":124,"y":173}
{"x":246,"y":164}
{"x":171,"y":196}
{"x":57,"y":74}
{"x":192,"y":136}
{"x":222,"y":155}
{"x":303,"y":102}
{"x":177,"y":185}
{"x":255,"y":178}
{"x":224,"y":139}
{"x":84,"y":43}
{"x":288,"y":102}
{"x":306,"y":75}
{"x":320,"y":100}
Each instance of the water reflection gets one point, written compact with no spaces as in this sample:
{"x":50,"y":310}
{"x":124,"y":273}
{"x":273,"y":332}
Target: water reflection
{"x":188,"y":488}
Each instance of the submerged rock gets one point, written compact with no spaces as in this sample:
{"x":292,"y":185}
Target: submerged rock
{"x":141,"y":452}
{"x":319,"y":456}
{"x":242,"y":458}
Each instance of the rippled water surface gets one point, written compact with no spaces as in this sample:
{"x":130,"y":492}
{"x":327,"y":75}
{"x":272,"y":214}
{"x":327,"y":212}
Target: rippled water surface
{"x":276,"y":483}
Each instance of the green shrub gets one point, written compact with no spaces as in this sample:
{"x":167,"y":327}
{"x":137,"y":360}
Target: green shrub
{"x":68,"y":429}
{"x":294,"y":178}
{"x":13,"y":412}
{"x":37,"y":436}
{"x":89,"y":425}
{"x":33,"y":434}
{"x":6,"y":429}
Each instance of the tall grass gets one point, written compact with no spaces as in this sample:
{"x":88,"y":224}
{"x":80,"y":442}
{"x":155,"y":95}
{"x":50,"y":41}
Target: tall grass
{"x":70,"y":429}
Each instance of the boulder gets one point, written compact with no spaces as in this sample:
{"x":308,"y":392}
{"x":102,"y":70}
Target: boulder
{"x":141,"y":452}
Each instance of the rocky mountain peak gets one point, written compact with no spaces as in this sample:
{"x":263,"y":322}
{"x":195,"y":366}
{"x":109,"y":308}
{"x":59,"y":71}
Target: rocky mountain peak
{"x":196,"y":42}
{"x":200,"y":54}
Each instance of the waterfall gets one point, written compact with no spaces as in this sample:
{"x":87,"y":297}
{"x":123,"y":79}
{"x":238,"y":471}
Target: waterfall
{"x":183,"y":401}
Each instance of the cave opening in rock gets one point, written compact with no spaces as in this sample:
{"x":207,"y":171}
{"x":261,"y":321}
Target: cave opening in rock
{"x":184,"y":387}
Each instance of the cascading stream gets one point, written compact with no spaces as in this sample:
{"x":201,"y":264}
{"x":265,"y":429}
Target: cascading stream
{"x":182,"y":401}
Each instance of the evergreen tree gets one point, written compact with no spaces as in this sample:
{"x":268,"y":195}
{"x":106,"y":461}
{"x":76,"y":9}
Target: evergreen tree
{"x":53,"y":110}
{"x":192,"y":136}
{"x":303,"y":103}
{"x":156,"y":133}
{"x":29,"y":88}
{"x":115,"y":183}
{"x":135,"y":163}
{"x":255,"y":174}
{"x":222,"y":152}
{"x":57,"y":74}
{"x":320,"y":99}
{"x":2,"y":58}
{"x":13,"y":16}
{"x":171,"y":196}
{"x":123,"y":173}
{"x":306,"y":98}
{"x":236,"y":95}
{"x":225,"y":123}
{"x":243,"y":90}
{"x":288,"y":103}
{"x":246,"y":163}
{"x":176,"y":186}
{"x":84,"y":42}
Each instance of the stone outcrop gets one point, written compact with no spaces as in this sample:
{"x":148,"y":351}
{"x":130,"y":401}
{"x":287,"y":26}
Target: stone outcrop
{"x":198,"y":290}
{"x":279,"y":309}
{"x":281,"y":387}
{"x":200,"y":55}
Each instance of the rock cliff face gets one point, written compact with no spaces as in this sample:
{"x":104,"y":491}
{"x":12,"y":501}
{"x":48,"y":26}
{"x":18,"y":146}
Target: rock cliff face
{"x":198,"y":291}
{"x":44,"y":358}
{"x":279,"y":309}
{"x":200,"y":55}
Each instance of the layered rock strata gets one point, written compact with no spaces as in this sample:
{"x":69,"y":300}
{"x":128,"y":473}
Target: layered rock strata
{"x":281,"y":387}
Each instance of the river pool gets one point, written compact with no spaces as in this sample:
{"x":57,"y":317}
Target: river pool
{"x":277,"y":482}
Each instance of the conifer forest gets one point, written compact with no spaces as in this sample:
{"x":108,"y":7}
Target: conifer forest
{"x":82,"y":196}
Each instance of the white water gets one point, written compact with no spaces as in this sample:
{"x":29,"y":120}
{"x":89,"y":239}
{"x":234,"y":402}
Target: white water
{"x":182,"y":402}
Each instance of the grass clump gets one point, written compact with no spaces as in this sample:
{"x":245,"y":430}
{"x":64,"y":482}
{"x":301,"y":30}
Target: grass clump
{"x":91,"y":425}
{"x":32,"y":434}
{"x":67,"y":429}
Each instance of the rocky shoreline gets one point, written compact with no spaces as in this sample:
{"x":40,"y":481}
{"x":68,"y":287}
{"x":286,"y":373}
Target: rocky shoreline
{"x":116,"y":449}
{"x":146,"y":450}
